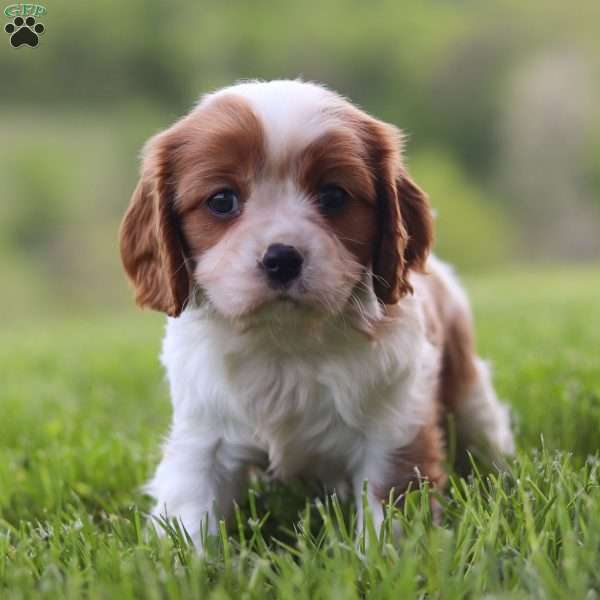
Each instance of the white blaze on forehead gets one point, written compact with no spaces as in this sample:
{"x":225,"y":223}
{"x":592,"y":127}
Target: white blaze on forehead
{"x":293,"y":113}
{"x":281,"y":212}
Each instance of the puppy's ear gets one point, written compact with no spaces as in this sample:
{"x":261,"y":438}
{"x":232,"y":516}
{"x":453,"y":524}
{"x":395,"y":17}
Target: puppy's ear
{"x":405,"y":225}
{"x":417,"y":220}
{"x":151,"y":247}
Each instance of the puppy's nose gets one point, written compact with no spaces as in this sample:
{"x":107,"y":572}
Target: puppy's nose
{"x":282,"y":263}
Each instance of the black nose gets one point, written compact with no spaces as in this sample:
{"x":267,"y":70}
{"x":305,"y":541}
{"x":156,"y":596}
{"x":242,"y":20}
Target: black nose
{"x":282,"y":263}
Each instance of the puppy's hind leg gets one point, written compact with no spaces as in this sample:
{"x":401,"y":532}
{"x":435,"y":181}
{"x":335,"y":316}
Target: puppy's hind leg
{"x":482,"y":421}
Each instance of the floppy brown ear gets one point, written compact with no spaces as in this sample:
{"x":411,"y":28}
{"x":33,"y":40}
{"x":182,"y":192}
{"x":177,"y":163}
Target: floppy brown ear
{"x":418,"y":222}
{"x":151,"y":248}
{"x":406,"y":236}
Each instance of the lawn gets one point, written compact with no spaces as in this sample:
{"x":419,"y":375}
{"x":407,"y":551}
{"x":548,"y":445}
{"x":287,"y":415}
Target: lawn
{"x":84,"y":406}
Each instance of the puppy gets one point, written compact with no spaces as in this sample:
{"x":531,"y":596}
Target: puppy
{"x":309,"y":330}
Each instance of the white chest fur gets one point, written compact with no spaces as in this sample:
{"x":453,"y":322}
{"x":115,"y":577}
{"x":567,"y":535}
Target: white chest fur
{"x":310,"y":396}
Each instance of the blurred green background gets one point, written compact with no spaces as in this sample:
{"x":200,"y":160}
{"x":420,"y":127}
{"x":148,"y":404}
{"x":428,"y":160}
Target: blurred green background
{"x":499,"y":100}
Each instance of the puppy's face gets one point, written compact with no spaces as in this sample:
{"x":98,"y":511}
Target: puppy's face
{"x":273,"y":193}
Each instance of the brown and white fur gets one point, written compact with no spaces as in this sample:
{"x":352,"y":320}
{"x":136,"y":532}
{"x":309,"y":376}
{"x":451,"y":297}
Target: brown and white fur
{"x":345,"y":374}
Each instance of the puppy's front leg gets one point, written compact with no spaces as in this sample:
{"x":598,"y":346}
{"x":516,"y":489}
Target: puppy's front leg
{"x":197,"y":481}
{"x":364,"y":483}
{"x":374,"y":507}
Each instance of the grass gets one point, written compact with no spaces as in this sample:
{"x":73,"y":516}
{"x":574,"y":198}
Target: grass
{"x":83,"y":408}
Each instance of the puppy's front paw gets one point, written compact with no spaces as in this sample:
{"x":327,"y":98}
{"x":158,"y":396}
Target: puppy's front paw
{"x":191,"y":526}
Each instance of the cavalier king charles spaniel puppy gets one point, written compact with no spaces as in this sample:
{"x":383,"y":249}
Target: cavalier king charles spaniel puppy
{"x":309,"y":331}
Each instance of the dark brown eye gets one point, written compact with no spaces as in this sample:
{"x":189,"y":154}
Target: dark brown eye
{"x":225,"y":203}
{"x":332,"y":198}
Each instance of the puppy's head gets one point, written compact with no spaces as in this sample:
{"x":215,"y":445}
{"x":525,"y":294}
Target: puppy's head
{"x":267,"y":193}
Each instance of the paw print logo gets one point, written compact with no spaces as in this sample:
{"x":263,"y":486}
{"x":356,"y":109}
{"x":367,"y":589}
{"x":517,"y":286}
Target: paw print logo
{"x":24,"y":32}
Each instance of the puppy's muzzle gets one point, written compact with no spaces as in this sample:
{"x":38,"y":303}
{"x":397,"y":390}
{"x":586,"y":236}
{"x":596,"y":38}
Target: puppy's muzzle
{"x":282,"y":264}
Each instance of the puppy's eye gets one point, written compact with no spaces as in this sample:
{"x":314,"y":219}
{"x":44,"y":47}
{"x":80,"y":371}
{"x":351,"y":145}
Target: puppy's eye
{"x":225,"y":203}
{"x":332,"y":199}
